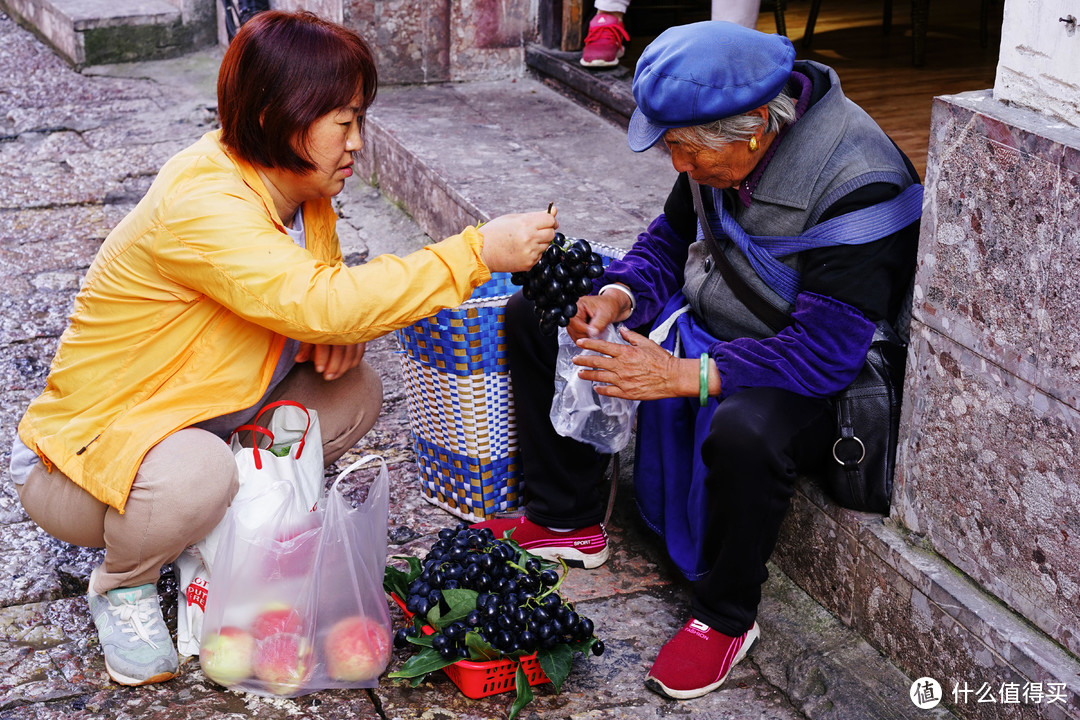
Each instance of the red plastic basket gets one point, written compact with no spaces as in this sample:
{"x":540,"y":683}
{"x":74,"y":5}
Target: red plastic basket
{"x":480,"y":679}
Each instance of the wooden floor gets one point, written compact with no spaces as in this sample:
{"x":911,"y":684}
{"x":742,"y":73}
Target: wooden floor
{"x":875,"y":69}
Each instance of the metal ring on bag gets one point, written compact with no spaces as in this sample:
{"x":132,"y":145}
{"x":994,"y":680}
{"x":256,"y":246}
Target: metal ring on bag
{"x":862,"y":449}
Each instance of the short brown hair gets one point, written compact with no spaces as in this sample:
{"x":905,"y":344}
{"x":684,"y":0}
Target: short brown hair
{"x":281,"y":73}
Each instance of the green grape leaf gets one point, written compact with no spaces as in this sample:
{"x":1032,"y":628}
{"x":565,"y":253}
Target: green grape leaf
{"x":524,"y":692}
{"x":555,"y":662}
{"x":480,"y":649}
{"x":421,"y":639}
{"x":420,"y":665}
{"x":397,"y":581}
{"x":456,"y":605}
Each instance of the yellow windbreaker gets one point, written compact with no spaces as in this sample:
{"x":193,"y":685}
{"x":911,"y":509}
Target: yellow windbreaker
{"x":184,"y":312}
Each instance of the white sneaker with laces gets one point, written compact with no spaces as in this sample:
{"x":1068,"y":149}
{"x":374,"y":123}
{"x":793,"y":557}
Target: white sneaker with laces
{"x":134,"y":637}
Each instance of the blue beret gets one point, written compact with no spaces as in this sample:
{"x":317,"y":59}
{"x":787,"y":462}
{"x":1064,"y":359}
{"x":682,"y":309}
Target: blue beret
{"x":698,"y":73}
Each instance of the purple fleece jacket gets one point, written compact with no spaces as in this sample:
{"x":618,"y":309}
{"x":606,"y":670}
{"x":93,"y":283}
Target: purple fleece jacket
{"x":818,"y":355}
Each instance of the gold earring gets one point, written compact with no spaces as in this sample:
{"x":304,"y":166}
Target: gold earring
{"x":753,"y":144}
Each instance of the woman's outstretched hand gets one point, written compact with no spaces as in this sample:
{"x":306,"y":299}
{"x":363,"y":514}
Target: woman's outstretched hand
{"x":514,"y":243}
{"x":641,"y":370}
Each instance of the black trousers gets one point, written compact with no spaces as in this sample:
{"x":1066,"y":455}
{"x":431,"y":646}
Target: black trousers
{"x":760,"y":441}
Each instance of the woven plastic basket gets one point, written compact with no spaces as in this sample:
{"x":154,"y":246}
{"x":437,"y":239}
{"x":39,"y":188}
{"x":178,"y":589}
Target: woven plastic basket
{"x":461,"y":409}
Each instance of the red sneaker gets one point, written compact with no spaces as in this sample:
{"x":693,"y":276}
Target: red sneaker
{"x":585,"y":547}
{"x":604,"y":41}
{"x":697,"y":660}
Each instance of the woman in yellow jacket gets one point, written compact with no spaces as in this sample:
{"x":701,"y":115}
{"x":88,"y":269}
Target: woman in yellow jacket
{"x":221,"y":291}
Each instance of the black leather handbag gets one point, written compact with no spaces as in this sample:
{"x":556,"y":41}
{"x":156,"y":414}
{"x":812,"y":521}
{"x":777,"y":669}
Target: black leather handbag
{"x":867,"y":412}
{"x":867,"y":423}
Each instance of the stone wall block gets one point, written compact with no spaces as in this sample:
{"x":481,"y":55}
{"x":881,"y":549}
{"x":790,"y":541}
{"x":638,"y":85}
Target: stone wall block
{"x":989,"y":463}
{"x":990,"y":478}
{"x":411,"y":40}
{"x":924,"y":614}
{"x":444,"y":40}
{"x":488,"y":38}
{"x":1000,"y":239}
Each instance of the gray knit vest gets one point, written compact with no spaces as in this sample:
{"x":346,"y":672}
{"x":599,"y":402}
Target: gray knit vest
{"x":833,"y":149}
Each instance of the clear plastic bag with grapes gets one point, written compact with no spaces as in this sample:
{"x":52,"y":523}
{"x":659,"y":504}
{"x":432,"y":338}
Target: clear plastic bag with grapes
{"x":579,"y":412}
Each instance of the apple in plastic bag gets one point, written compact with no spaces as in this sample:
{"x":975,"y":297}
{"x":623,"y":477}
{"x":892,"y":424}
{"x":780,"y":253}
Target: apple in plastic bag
{"x":295,"y":547}
{"x":276,"y":618}
{"x":282,"y":661}
{"x":226,"y":656}
{"x":357,"y":648}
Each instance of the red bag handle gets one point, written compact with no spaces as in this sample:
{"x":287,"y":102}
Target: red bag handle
{"x":255,"y":443}
{"x":280,"y":403}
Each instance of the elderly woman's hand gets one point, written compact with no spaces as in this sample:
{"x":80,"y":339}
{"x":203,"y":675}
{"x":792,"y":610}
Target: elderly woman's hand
{"x":641,"y":370}
{"x":332,"y":361}
{"x":515,"y":242}
{"x":596,"y":312}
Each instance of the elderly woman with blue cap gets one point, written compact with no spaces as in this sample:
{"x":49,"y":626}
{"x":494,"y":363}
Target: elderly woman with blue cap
{"x":790,"y":234}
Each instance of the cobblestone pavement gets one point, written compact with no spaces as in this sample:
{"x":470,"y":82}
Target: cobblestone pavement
{"x":77,"y":151}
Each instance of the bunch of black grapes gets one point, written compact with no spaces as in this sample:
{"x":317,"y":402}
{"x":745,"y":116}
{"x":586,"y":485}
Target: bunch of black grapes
{"x":563,"y":274}
{"x":517,"y":607}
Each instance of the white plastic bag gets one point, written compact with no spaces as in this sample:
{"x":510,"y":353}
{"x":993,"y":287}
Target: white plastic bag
{"x":579,"y":412}
{"x":292,"y":614}
{"x":292,"y":459}
{"x":194,"y":581}
{"x":286,"y":471}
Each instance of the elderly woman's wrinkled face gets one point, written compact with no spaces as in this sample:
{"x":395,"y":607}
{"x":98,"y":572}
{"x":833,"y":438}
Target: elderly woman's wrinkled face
{"x":719,"y":168}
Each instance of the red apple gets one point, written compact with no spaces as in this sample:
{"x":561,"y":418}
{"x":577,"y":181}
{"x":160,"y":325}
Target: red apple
{"x":226,"y":655}
{"x":295,"y":549}
{"x":276,"y":618}
{"x":282,"y":662}
{"x":357,"y":648}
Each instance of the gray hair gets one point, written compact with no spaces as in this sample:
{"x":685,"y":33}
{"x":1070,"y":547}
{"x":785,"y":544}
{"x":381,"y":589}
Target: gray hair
{"x":719,"y":133}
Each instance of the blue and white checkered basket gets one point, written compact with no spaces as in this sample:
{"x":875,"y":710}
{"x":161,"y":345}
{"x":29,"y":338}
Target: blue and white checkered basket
{"x":461,"y":409}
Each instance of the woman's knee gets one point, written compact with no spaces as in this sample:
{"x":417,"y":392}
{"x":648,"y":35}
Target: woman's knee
{"x":743,"y":423}
{"x":192,"y":471}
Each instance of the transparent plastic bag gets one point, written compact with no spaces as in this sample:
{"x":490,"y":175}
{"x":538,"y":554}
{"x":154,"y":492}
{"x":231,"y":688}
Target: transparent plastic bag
{"x":297,"y":603}
{"x":579,"y":412}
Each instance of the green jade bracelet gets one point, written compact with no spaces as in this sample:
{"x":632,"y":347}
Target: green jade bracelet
{"x":703,"y":380}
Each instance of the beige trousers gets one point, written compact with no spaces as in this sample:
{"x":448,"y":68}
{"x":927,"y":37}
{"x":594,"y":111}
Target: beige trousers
{"x":186,"y":482}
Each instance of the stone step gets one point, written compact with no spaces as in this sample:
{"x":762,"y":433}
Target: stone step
{"x":457,"y":153}
{"x":97,"y":32}
{"x":604,"y":91}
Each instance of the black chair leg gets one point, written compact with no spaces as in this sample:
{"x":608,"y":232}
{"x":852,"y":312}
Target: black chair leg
{"x":778,"y":13}
{"x":808,"y":36}
{"x":920,"y":17}
{"x":886,"y":19}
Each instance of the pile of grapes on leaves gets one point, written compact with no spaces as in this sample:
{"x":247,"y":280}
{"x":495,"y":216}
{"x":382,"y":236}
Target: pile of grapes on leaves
{"x":485,"y":598}
{"x":563,"y":274}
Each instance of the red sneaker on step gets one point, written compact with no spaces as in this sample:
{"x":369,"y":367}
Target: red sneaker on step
{"x":604,"y":41}
{"x":585,"y":547}
{"x":697,"y":660}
